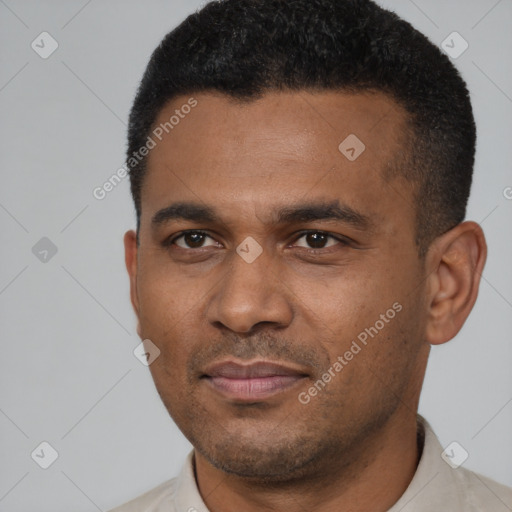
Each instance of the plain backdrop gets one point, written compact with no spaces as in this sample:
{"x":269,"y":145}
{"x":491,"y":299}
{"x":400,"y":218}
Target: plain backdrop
{"x":68,"y":373}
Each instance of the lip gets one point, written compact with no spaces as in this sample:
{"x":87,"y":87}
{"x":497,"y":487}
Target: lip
{"x":251,"y":382}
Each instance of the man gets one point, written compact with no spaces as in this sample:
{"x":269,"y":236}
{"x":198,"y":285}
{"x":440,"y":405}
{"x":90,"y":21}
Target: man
{"x":300,"y":171}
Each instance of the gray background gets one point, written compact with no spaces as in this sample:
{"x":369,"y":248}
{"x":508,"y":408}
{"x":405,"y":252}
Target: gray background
{"x":68,"y":373}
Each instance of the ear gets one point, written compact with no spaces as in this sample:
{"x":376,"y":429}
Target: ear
{"x":130,"y":258}
{"x":455,"y":262}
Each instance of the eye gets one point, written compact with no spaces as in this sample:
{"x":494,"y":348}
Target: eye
{"x":318,"y":240}
{"x":191,"y":240}
{"x":311,"y":240}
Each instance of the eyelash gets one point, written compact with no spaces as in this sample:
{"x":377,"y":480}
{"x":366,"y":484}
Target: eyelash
{"x":170,"y":241}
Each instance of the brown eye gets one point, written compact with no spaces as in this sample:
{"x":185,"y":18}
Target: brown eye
{"x":192,"y":240}
{"x":317,"y":240}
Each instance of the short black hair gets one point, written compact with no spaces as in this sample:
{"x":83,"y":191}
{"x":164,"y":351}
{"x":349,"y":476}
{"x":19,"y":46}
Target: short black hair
{"x":245,"y":48}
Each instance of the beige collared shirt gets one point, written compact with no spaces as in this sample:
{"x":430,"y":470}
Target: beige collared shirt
{"x":435,"y":487}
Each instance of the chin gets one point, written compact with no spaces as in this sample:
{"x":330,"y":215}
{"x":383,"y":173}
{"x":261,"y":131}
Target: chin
{"x":285,"y":459}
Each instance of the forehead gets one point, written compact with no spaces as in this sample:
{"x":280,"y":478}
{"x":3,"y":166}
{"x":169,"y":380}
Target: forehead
{"x":283,"y":121}
{"x":285,"y":145}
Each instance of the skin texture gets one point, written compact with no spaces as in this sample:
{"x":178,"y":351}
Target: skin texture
{"x":302,"y":302}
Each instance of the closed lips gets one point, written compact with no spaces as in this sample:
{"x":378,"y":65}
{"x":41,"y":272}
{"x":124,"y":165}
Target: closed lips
{"x":251,"y":383}
{"x":260,"y":369}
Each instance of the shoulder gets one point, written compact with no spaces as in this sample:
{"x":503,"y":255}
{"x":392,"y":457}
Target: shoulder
{"x":481,"y":492}
{"x":158,"y":499}
{"x":441,"y":484}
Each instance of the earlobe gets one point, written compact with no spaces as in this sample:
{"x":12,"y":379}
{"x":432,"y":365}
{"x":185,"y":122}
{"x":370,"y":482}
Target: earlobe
{"x":455,"y":264}
{"x":130,"y":257}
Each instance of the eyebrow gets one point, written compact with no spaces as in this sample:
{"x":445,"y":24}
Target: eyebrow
{"x":311,"y":212}
{"x":184,"y":211}
{"x":303,"y":212}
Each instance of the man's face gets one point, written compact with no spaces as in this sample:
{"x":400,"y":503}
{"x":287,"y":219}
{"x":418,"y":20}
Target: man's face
{"x":297,"y":255}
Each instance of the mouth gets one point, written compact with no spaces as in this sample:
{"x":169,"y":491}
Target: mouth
{"x":252,"y":382}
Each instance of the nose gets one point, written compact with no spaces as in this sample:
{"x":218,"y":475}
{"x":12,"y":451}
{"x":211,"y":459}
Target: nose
{"x":250,"y":294}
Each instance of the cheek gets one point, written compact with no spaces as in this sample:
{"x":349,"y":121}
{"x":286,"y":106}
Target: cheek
{"x":168,"y":318}
{"x":166,"y":299}
{"x":345,"y":300}
{"x":371,"y":367}
{"x":368,"y":317}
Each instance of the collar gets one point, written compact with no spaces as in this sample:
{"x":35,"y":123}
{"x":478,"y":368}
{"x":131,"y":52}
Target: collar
{"x":434,"y":486}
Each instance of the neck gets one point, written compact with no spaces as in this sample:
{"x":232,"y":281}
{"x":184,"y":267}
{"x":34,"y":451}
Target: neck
{"x":374,"y":480}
